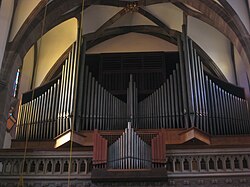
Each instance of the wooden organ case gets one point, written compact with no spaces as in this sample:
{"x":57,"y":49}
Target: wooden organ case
{"x":127,"y":102}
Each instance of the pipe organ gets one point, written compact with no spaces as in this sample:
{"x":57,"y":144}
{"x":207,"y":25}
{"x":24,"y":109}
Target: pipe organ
{"x":196,"y":90}
{"x":188,"y":97}
{"x":37,"y":119}
{"x":129,"y":152}
{"x":163,"y":108}
{"x":226,"y":109}
{"x":99,"y":108}
{"x":132,"y":102}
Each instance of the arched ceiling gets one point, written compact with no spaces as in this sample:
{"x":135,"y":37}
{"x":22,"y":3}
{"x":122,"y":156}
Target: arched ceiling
{"x":215,"y":13}
{"x":211,"y":12}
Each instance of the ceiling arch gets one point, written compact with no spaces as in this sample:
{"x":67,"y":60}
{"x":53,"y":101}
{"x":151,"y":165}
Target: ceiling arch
{"x":58,"y":11}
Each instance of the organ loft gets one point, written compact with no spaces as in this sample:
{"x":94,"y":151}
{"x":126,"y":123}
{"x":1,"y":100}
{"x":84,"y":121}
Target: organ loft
{"x":124,"y":93}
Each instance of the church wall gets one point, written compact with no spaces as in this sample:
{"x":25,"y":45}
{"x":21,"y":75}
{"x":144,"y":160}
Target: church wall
{"x":26,"y":72}
{"x":52,"y":46}
{"x":6,"y":11}
{"x":133,"y":42}
{"x":96,"y":15}
{"x":243,"y":70}
{"x":166,"y":12}
{"x":214,"y":43}
{"x":131,"y":19}
{"x":23,"y":10}
{"x":240,"y":7}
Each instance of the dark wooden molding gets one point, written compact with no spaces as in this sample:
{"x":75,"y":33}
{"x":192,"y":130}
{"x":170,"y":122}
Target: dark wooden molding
{"x":248,"y":82}
{"x":34,"y":64}
{"x":143,"y":29}
{"x":108,"y":23}
{"x":248,"y":6}
{"x":158,"y":22}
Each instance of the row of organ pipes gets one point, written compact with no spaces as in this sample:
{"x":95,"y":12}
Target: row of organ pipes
{"x":227,"y":113}
{"x":51,"y":113}
{"x":129,"y":151}
{"x":214,"y":110}
{"x":100,"y":109}
{"x":37,"y":119}
{"x":187,"y":98}
{"x":163,"y":108}
{"x":198,"y":110}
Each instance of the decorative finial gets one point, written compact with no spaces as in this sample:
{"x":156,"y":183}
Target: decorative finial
{"x":132,"y":7}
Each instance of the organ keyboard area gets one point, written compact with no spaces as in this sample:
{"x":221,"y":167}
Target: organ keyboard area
{"x":188,"y":97}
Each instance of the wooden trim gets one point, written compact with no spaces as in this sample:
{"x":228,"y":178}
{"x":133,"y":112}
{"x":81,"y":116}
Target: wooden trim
{"x":248,"y":82}
{"x":156,"y":21}
{"x":144,"y":29}
{"x":34,"y":65}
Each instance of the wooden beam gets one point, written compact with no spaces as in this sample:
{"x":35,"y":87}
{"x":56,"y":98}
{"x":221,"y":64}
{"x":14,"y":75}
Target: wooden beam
{"x":157,"y":21}
{"x":108,"y":23}
{"x":147,"y":29}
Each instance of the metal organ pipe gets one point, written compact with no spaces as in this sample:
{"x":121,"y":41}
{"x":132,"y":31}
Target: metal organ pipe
{"x":180,"y":96}
{"x":203,"y":95}
{"x":129,"y":151}
{"x":176,"y":99}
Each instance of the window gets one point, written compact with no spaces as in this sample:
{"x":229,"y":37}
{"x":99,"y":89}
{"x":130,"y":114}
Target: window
{"x":15,"y":86}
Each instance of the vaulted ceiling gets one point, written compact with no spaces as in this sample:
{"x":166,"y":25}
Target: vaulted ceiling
{"x":217,"y":13}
